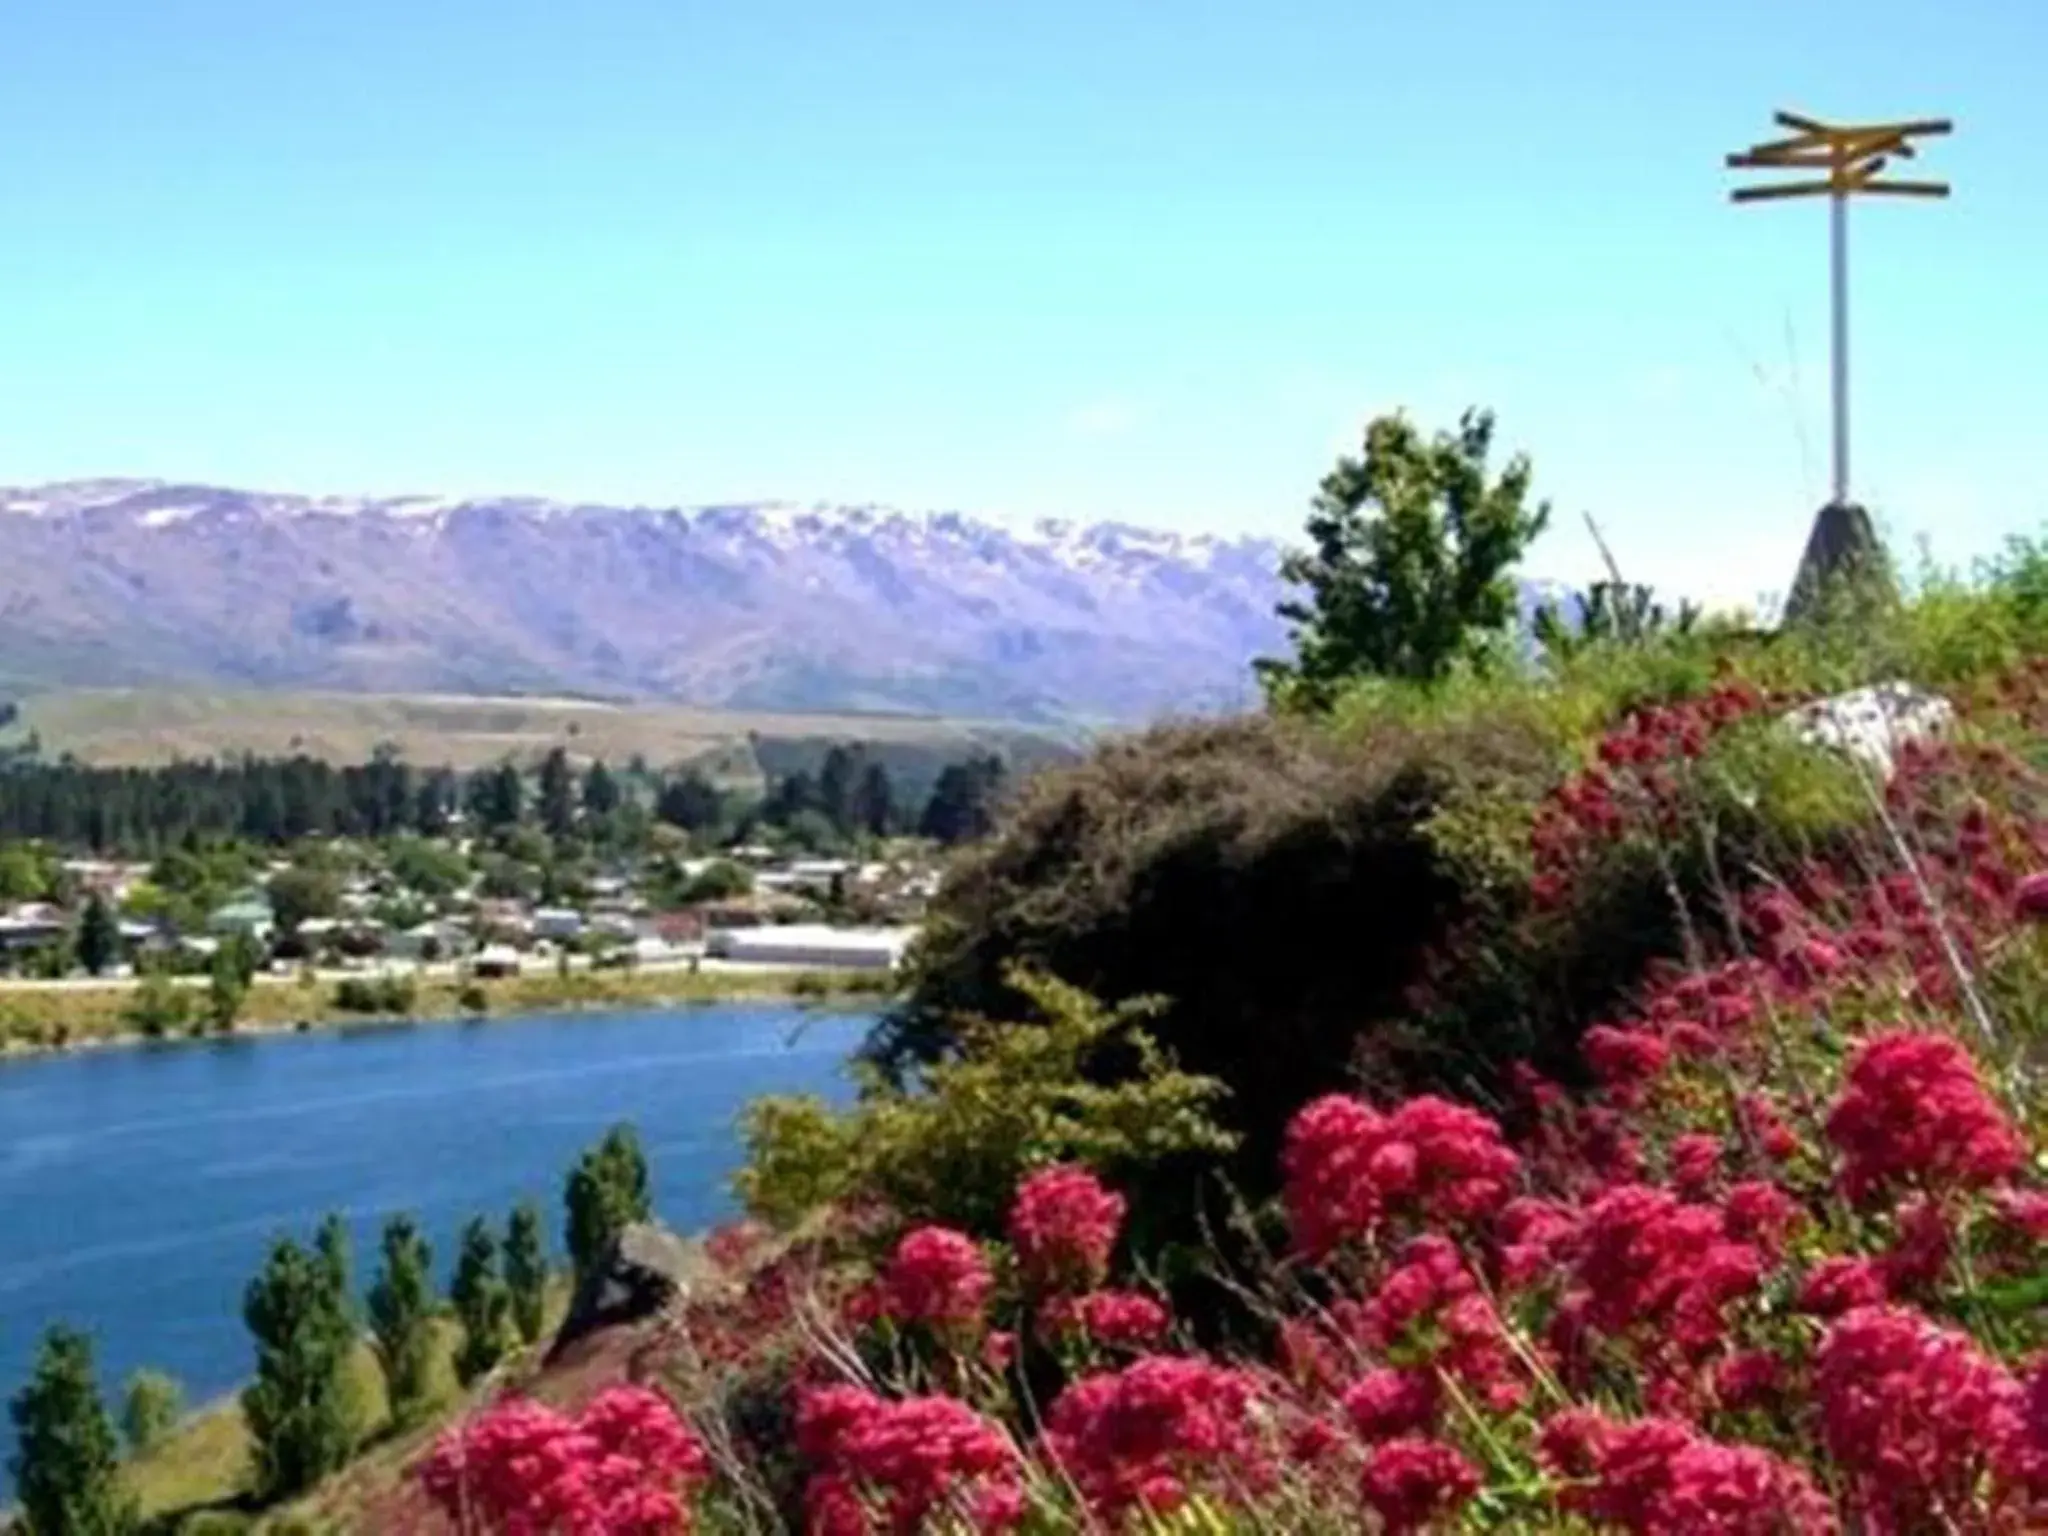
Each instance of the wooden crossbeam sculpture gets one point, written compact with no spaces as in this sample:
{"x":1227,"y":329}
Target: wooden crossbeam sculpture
{"x":1851,"y":160}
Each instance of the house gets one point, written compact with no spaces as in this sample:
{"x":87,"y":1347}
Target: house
{"x":816,"y":875}
{"x":557,"y":923}
{"x":813,"y":945}
{"x":494,"y":961}
{"x":434,"y":940}
{"x":31,"y":925}
{"x":249,"y":912}
{"x":684,"y":927}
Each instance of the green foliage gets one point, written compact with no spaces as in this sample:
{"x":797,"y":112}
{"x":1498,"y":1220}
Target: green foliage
{"x":401,"y":1306}
{"x":391,"y":992}
{"x":429,"y":868}
{"x":300,"y":1408}
{"x":526,"y":1270}
{"x":300,"y":892}
{"x":557,"y":794}
{"x":99,"y":936}
{"x":1014,"y":1097}
{"x":158,"y":1007}
{"x":473,"y":998}
{"x":483,"y":1303}
{"x":720,"y":880}
{"x":1410,"y":570}
{"x":67,"y":1466}
{"x":606,"y":1192}
{"x":25,"y":872}
{"x":228,"y":978}
{"x":963,"y":801}
{"x":1610,"y":612}
{"x":690,"y":801}
{"x":151,"y":1405}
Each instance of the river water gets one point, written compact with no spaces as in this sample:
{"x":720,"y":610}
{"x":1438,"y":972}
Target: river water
{"x":140,"y":1188}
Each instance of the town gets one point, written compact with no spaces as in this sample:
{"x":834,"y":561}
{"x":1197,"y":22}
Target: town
{"x":372,"y":882}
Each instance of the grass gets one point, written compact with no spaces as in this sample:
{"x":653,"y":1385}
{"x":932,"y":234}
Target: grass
{"x":204,"y":1463}
{"x":54,"y":1017}
{"x":142,"y":727}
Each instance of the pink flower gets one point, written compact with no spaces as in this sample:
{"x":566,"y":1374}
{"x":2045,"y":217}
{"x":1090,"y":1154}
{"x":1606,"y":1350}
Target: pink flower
{"x":1839,"y":1283}
{"x":936,"y":1277}
{"x":1143,"y":1437}
{"x":1658,"y":1477}
{"x":1347,"y":1166}
{"x":1387,"y":1403}
{"x":1912,"y":1112}
{"x":905,"y":1460}
{"x":2031,"y":898}
{"x":1411,"y":1481}
{"x":1063,"y":1225}
{"x":1117,"y":1318}
{"x":1625,"y":1060}
{"x":626,"y":1465}
{"x":1914,"y":1414}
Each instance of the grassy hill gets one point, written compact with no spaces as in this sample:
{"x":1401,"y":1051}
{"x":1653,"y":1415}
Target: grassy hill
{"x":121,"y":726}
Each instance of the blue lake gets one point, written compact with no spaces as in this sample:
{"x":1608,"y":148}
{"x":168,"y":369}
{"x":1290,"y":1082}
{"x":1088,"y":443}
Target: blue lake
{"x":140,"y":1188}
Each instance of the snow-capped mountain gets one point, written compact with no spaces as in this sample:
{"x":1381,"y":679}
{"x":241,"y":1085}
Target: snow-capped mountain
{"x":757,"y":606}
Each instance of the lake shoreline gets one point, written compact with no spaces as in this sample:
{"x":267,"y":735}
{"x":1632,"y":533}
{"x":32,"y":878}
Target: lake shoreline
{"x":40,"y":1022}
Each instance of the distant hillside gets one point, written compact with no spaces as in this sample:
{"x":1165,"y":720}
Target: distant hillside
{"x":121,"y":583}
{"x":157,"y":725}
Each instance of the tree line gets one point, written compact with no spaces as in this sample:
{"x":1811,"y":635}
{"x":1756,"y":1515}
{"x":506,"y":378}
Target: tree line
{"x":303,"y":1411}
{"x":273,"y":801}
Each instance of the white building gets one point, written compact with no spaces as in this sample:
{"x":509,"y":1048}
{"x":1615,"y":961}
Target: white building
{"x":812,"y":944}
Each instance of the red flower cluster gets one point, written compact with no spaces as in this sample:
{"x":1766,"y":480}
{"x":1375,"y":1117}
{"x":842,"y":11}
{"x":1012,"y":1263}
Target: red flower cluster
{"x":1913,"y":1113}
{"x":1644,"y":1261}
{"x":1917,"y":1417}
{"x":625,"y":1467}
{"x":1659,"y":1477}
{"x":1120,"y":1319}
{"x":1147,"y":1436}
{"x":888,"y":1466}
{"x":936,"y":1277}
{"x":1063,"y":1225}
{"x":1411,"y":1482}
{"x":1347,"y":1167}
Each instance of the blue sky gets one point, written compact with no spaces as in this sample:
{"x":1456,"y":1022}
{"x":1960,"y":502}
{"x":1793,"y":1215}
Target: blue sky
{"x":1102,"y":259}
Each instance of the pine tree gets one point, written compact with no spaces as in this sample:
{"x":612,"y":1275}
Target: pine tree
{"x":526,"y":1270}
{"x":962,"y":804}
{"x":67,"y":1466}
{"x":402,"y":1318}
{"x":607,"y":1192}
{"x":482,"y":1303}
{"x":99,"y":936}
{"x":557,"y":794}
{"x":601,"y":794}
{"x":874,"y":801}
{"x":838,"y":778}
{"x":299,"y":1411}
{"x":690,"y":801}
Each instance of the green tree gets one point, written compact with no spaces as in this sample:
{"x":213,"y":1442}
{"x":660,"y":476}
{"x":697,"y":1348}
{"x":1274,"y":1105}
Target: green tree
{"x":720,"y":880}
{"x":607,"y":1192}
{"x":428,"y":868}
{"x":691,"y":802}
{"x":158,"y":1007}
{"x":1410,"y":572}
{"x":401,"y":1305}
{"x":24,"y":876}
{"x":557,"y":794}
{"x":601,"y":794}
{"x":482,"y":1303}
{"x":151,"y":1405}
{"x":299,"y":893}
{"x":1609,"y":612}
{"x":962,"y":803}
{"x":99,"y":936}
{"x":497,"y":797}
{"x":227,"y":981}
{"x":838,"y":779}
{"x":526,"y":1270}
{"x":874,"y":801}
{"x":67,"y":1465}
{"x":299,"y":1407}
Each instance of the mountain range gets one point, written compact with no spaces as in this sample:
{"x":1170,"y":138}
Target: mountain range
{"x":125,"y":583}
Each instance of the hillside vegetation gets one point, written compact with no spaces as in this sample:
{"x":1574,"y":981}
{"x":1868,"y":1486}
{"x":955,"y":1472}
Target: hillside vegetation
{"x":1532,"y":1094}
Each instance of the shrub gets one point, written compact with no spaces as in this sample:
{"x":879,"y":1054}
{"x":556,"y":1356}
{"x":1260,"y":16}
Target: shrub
{"x":1016,"y":1097}
{"x":606,"y":1192}
{"x":151,"y":1406}
{"x":388,"y":993}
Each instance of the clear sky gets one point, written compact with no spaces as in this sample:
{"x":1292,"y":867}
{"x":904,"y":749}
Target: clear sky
{"x":1098,"y":258}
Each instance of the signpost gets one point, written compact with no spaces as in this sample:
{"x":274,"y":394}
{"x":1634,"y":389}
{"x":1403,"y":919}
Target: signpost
{"x":1849,"y":160}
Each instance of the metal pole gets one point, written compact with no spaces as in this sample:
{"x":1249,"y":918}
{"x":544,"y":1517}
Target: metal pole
{"x":1839,"y":222}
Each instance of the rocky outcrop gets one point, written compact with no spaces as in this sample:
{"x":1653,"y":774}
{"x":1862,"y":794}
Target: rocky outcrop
{"x":646,"y":1268}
